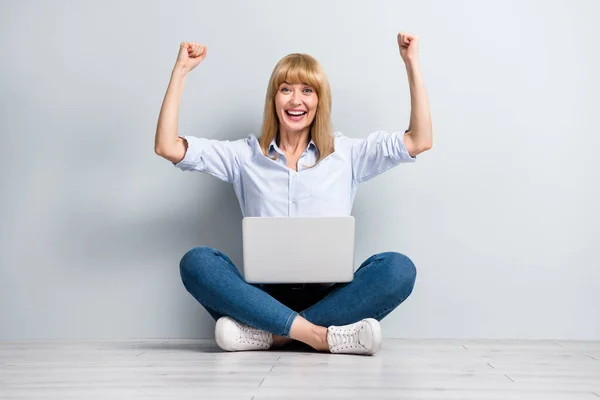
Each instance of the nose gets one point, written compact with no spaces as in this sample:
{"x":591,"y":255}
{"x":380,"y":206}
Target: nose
{"x":296,"y":99}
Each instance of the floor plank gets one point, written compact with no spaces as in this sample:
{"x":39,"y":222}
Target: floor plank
{"x":403,"y":369}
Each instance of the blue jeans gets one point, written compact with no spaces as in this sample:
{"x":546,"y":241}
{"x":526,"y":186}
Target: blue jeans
{"x":380,"y":284}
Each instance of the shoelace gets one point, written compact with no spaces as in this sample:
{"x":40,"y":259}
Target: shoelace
{"x":257,"y":336}
{"x":345,"y":337}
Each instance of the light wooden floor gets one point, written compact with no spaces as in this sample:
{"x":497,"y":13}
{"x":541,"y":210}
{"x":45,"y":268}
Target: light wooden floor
{"x":403,"y":369}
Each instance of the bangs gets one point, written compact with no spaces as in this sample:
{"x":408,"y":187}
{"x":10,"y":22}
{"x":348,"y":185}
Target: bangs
{"x":297,"y":70}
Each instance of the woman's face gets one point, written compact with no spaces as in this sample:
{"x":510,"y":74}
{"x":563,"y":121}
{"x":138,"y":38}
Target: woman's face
{"x":297,"y":97}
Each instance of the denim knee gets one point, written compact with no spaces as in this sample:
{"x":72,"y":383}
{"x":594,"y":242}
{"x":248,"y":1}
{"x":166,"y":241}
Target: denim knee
{"x":196,"y":262}
{"x":400,"y":274}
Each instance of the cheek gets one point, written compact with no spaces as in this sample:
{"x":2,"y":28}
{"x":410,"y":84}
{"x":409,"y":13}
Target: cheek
{"x":278,"y":102}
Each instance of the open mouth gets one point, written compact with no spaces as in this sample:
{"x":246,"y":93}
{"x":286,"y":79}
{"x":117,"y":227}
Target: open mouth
{"x":295,"y":115}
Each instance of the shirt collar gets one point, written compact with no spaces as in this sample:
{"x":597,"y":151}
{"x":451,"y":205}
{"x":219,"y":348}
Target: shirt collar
{"x":273,"y":148}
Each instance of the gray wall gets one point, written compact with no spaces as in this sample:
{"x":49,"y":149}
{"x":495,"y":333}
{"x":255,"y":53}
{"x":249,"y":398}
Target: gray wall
{"x":499,"y":216}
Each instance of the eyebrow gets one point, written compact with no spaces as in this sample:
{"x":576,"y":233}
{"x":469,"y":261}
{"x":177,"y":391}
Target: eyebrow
{"x":287,"y":83}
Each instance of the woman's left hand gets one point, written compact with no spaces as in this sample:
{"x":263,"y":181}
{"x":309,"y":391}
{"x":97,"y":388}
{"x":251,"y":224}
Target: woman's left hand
{"x":409,"y":46}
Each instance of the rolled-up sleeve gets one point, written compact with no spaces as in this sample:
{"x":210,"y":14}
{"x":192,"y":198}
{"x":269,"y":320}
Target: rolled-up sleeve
{"x":377,"y":153}
{"x":220,"y":158}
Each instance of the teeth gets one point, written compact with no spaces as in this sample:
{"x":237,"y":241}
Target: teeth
{"x":296,"y":112}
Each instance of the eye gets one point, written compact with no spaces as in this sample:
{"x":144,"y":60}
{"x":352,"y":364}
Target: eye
{"x":309,"y":89}
{"x":284,"y":88}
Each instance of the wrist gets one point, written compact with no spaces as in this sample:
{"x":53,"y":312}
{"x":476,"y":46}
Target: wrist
{"x":180,"y":70}
{"x":411,"y":63}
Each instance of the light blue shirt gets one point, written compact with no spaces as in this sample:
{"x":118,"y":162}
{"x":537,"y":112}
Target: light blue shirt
{"x":269,"y":188}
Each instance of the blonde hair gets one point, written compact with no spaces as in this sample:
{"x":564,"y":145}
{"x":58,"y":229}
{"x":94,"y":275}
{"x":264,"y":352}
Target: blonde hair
{"x":300,"y":68}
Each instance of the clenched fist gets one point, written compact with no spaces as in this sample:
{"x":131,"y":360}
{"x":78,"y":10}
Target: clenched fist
{"x":190,"y":55}
{"x":409,"y":46}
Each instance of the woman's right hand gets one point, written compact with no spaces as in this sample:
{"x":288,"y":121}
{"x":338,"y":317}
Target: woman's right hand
{"x":190,"y":55}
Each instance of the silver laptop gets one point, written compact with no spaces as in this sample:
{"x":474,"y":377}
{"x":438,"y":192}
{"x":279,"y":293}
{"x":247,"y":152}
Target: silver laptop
{"x":298,"y":249}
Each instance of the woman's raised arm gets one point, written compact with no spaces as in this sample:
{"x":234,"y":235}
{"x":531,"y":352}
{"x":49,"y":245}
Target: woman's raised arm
{"x":167,"y":143}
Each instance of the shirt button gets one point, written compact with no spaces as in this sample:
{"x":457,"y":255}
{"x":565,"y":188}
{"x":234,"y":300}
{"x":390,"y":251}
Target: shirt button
{"x":293,"y":200}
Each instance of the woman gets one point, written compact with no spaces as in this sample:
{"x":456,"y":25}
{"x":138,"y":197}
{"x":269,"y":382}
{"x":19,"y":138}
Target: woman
{"x":298,"y":167}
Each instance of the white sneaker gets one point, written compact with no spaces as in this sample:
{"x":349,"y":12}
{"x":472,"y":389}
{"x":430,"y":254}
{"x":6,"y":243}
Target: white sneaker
{"x":235,"y":336}
{"x":362,"y":337}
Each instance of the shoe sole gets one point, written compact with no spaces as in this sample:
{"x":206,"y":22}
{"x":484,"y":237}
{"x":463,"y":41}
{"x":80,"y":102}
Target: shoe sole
{"x":219,"y":327}
{"x":376,"y":330}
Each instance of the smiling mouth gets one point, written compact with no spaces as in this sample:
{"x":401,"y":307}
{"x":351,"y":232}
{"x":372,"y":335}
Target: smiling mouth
{"x":295,"y":116}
